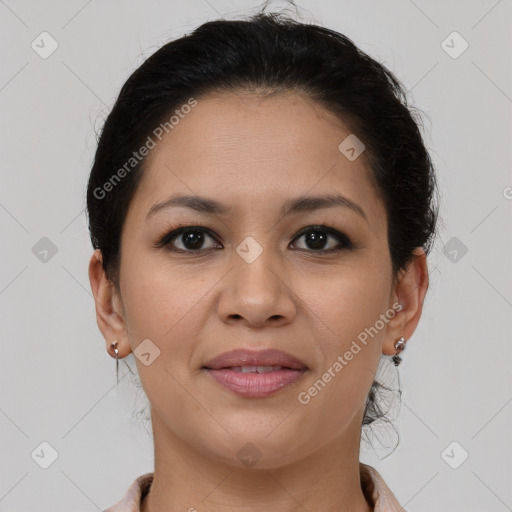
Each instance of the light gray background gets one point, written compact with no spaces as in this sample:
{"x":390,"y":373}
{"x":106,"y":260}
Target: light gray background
{"x":57,"y":379}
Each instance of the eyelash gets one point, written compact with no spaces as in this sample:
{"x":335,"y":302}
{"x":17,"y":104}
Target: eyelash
{"x":346,"y":242}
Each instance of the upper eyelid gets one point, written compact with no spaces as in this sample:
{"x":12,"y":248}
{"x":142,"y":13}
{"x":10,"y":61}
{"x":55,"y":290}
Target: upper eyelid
{"x":329,"y":230}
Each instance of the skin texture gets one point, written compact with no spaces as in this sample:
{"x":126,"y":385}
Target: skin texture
{"x":253,"y":153}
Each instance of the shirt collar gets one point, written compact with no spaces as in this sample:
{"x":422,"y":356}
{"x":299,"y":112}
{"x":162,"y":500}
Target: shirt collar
{"x":376,"y":491}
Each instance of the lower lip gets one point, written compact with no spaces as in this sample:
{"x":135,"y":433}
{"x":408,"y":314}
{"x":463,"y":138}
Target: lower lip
{"x":255,"y":385}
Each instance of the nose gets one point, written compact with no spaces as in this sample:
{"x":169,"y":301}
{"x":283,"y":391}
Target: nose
{"x":257,"y":294}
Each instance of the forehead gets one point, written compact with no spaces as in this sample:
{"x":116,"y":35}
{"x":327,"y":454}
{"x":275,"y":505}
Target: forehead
{"x":254,"y":152}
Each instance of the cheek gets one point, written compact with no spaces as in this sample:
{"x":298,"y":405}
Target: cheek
{"x":159,"y":299}
{"x":351,"y":348}
{"x":346,"y":305}
{"x":165,"y":305}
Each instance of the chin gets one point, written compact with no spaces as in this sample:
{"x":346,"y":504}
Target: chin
{"x":255,"y":448}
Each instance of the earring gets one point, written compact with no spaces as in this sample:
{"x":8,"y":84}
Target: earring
{"x":399,"y":346}
{"x":114,"y":345}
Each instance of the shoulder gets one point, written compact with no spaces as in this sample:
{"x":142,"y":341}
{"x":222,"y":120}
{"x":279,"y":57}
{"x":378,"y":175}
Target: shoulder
{"x":130,"y":502}
{"x":377,"y":491}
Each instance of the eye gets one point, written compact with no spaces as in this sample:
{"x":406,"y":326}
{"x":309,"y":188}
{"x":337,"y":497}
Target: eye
{"x":317,"y":236}
{"x":192,"y":239}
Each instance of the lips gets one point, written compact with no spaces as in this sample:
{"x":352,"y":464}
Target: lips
{"x":255,"y":374}
{"x":255,"y":358}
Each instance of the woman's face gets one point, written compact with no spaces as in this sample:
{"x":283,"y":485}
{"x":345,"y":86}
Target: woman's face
{"x":246,"y":279}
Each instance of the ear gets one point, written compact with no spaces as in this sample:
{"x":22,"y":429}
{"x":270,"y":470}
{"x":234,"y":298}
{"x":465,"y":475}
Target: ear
{"x":409,"y":290}
{"x":109,"y":311}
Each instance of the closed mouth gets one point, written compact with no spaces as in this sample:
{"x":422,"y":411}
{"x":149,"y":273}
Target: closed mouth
{"x":255,"y":361}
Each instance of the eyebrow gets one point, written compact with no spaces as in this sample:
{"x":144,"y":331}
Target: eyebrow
{"x":291,"y":207}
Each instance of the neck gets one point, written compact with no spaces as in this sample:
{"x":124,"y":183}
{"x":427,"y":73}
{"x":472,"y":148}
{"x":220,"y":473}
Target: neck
{"x":184,"y":479}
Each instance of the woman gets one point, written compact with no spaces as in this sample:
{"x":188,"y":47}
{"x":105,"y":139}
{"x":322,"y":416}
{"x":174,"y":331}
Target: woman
{"x":261,"y":206}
